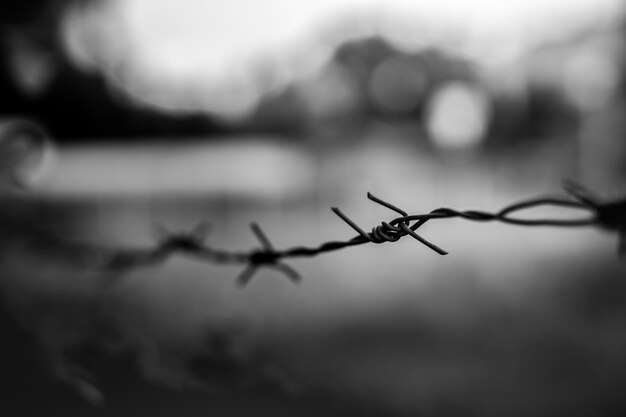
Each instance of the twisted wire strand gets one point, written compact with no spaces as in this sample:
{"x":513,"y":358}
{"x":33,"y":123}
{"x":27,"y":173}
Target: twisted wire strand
{"x":611,"y":215}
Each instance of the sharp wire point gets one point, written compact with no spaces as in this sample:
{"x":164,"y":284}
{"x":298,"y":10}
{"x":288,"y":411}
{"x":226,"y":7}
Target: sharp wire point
{"x":350,"y":223}
{"x":424,"y":241}
{"x":386,"y":204}
{"x":246,"y":275}
{"x":262,"y":237}
{"x":291,"y":273}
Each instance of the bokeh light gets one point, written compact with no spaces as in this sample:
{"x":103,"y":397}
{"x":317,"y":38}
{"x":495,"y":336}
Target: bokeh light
{"x":207,"y":55}
{"x":592,"y":75}
{"x":458,"y":116}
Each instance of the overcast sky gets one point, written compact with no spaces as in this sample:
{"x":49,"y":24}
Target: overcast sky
{"x":184,"y":35}
{"x":221,"y":46}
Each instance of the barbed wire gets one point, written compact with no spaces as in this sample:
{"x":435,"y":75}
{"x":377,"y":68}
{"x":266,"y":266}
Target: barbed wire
{"x":606,"y":215}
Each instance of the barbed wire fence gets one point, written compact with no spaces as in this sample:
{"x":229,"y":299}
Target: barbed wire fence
{"x":609,"y":215}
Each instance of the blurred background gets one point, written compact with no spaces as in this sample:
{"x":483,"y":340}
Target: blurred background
{"x":172,"y":113}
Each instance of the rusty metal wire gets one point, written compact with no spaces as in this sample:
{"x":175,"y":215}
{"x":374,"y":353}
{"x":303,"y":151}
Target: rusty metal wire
{"x":607,"y":215}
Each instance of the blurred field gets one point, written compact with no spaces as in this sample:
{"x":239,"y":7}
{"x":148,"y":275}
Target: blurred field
{"x":515,"y":321}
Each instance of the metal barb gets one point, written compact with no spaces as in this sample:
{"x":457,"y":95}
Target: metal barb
{"x":256,"y":229}
{"x":288,"y":271}
{"x":404,"y":228}
{"x":422,"y":240}
{"x":246,"y":275}
{"x":267,"y":256}
{"x":352,"y":224}
{"x":386,"y":204}
{"x":389,"y":232}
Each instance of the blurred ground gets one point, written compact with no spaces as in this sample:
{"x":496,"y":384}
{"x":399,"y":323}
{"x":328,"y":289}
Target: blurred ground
{"x":515,"y":321}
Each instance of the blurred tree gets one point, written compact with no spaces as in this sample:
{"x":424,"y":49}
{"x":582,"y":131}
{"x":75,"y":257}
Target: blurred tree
{"x":39,"y":80}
